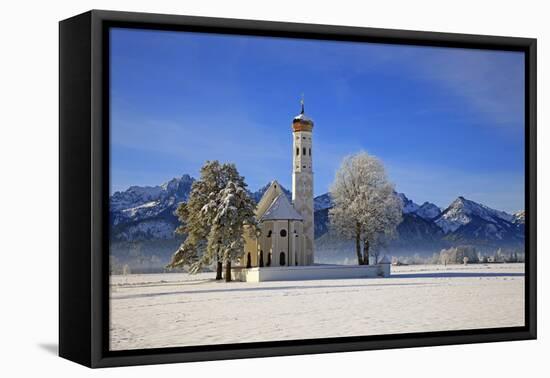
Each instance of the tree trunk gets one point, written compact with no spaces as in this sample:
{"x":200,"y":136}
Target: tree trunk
{"x":366,"y":252}
{"x":219,"y":268}
{"x":228,"y":271}
{"x":358,"y":243}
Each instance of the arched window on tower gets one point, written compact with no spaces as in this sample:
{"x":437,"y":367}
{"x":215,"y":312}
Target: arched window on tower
{"x":297,"y":151}
{"x":310,"y":152}
{"x":304,"y":151}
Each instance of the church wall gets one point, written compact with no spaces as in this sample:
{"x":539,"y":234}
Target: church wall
{"x":292,"y":244}
{"x":250,"y":245}
{"x":265,"y":241}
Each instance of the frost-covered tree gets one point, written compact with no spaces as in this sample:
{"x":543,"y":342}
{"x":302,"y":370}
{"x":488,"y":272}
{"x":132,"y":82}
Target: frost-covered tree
{"x":366,"y":207}
{"x":228,"y":213}
{"x":196,"y":251}
{"x":459,"y":255}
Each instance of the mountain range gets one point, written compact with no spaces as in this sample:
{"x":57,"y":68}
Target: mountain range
{"x":143,"y":216}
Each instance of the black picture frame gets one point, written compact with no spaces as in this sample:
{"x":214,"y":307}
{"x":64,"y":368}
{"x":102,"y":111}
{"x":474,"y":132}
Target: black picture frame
{"x":84,"y":188}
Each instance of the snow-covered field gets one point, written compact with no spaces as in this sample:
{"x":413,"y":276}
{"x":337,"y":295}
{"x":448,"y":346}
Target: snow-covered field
{"x":167,"y":310}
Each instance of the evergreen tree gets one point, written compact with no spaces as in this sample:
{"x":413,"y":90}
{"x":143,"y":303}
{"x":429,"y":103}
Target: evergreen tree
{"x":199,"y":249}
{"x":228,"y":213}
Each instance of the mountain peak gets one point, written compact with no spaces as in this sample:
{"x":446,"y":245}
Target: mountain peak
{"x":408,"y":205}
{"x":428,"y":211}
{"x":461,"y":211}
{"x":520,"y":217}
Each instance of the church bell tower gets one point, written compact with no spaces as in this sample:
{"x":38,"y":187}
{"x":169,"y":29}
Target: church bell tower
{"x":302,"y":179}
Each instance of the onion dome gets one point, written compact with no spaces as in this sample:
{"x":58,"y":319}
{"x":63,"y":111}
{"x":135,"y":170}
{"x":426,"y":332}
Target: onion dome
{"x":302,"y":122}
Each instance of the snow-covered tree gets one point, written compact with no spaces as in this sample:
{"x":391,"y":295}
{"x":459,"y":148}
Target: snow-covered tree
{"x":366,"y":207}
{"x":459,"y":255}
{"x":197,"y":250}
{"x":228,"y":213}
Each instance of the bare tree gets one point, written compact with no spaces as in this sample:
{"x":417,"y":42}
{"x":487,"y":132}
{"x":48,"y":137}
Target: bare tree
{"x":366,"y":207}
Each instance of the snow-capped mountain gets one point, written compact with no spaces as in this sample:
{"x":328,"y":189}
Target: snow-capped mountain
{"x":428,"y":211}
{"x":462,"y":211}
{"x":322,"y":202}
{"x":140,"y":202}
{"x":519,"y":217}
{"x":468,"y":222}
{"x":258,"y":194}
{"x":408,"y":205}
{"x":147,"y":214}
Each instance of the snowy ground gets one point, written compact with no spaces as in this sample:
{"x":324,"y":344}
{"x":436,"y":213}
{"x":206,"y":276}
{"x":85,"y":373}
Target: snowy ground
{"x":166,"y":310}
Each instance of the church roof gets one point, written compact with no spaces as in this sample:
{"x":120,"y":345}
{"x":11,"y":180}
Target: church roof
{"x":303,"y":117}
{"x":268,"y":197}
{"x":281,"y":209}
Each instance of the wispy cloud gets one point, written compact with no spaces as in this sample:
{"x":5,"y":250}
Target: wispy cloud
{"x":491,"y":82}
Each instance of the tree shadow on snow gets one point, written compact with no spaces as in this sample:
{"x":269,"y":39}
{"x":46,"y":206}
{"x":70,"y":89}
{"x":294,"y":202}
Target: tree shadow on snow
{"x":367,"y":283}
{"x":264,"y":289}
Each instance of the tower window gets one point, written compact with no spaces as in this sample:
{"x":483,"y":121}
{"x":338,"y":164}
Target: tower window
{"x":303,"y":166}
{"x":297,"y":151}
{"x":310,"y":152}
{"x":283,"y":233}
{"x":269,"y":234}
{"x":304,"y":151}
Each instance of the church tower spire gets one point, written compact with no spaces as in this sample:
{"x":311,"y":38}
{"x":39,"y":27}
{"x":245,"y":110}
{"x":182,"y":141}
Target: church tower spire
{"x":302,"y":179}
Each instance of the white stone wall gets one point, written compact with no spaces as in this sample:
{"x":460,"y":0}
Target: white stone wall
{"x":302,"y":188}
{"x":312,"y":272}
{"x":290,"y":245}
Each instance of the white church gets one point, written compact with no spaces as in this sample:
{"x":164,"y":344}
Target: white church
{"x":283,"y":248}
{"x":286,"y":229}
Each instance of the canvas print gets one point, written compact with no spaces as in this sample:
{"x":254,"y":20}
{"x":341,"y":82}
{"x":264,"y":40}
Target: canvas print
{"x":272,"y":189}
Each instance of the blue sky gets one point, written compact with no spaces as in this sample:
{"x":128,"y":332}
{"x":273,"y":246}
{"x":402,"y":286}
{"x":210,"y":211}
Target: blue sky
{"x":445,"y":122}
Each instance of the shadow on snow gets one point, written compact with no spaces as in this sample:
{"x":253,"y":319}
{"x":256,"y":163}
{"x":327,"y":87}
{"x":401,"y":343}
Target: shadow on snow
{"x":310,"y":287}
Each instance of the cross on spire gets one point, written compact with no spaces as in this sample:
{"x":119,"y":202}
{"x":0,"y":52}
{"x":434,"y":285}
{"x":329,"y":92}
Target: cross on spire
{"x":302,"y":102}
